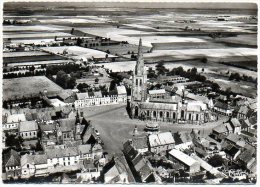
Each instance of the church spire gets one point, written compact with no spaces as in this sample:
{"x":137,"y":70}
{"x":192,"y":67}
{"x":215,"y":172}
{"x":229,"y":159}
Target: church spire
{"x":77,"y":118}
{"x":140,"y":61}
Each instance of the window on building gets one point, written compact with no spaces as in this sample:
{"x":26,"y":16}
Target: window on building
{"x":173,"y":115}
{"x":167,"y":114}
{"x":161,"y":114}
{"x":182,"y":114}
{"x":136,"y":83}
{"x":197,"y":117}
{"x":140,"y":82}
{"x":189,"y":116}
{"x":26,"y":134}
{"x":154,"y":114}
{"x":148,"y":113}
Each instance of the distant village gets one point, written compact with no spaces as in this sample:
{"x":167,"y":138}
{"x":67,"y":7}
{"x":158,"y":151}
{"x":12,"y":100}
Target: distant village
{"x":48,"y":136}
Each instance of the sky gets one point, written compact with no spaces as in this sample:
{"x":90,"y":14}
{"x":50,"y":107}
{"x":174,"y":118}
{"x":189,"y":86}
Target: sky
{"x":131,"y":4}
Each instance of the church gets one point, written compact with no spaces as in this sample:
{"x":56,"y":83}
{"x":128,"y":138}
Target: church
{"x":164,"y":108}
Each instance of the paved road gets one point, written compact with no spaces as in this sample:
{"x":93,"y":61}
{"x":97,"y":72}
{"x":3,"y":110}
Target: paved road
{"x":115,"y":126}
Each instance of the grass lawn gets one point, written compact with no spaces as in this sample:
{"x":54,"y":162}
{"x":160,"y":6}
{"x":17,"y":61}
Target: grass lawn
{"x":28,"y":86}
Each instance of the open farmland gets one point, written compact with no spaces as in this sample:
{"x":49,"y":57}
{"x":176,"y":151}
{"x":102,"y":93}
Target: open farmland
{"x":44,"y":62}
{"x":30,"y":56}
{"x":28,"y":86}
{"x":77,"y":52}
{"x":122,"y":49}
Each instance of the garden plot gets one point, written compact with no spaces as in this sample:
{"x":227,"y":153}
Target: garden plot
{"x":78,"y":52}
{"x":28,"y":86}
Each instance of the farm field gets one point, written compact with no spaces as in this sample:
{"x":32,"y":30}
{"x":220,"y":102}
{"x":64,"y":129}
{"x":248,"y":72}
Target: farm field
{"x":22,"y":54}
{"x":122,"y":49}
{"x":44,"y":62}
{"x":27,"y":86}
{"x":78,"y":52}
{"x":36,"y":35}
{"x":35,"y":56}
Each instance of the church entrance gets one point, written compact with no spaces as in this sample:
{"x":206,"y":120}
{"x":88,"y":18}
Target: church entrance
{"x":136,"y":111}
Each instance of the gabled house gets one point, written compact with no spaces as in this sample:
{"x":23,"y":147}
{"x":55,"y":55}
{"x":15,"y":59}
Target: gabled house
{"x":139,"y":143}
{"x":222,"y":108}
{"x":118,"y":171}
{"x":161,"y":142}
{"x":11,"y":164}
{"x":236,"y":125}
{"x":28,"y":129}
{"x":222,"y":131}
{"x":34,"y":165}
{"x":12,"y":122}
{"x":242,"y":112}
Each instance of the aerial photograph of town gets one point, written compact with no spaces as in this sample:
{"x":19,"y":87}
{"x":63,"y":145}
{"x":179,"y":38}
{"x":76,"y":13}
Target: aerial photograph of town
{"x":129,"y":93}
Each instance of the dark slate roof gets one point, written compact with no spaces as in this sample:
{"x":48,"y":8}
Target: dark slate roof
{"x":140,"y":142}
{"x":246,"y":155}
{"x":231,"y":150}
{"x":222,"y":105}
{"x":60,"y":153}
{"x":67,"y":124}
{"x":11,"y":158}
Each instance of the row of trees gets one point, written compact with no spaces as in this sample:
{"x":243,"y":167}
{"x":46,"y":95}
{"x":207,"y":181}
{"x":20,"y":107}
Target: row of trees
{"x":238,"y":77}
{"x":67,"y":68}
{"x":26,"y":74}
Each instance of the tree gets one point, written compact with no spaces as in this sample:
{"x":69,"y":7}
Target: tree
{"x":160,"y":68}
{"x":216,"y":161}
{"x":72,"y":30}
{"x":204,"y":60}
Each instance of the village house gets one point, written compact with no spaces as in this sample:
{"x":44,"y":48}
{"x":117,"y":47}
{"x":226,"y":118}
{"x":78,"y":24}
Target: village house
{"x":11,"y":164}
{"x":28,"y":130}
{"x":67,"y":156}
{"x":191,"y":165}
{"x":117,"y":171}
{"x":139,"y":143}
{"x":90,"y":172}
{"x":222,"y":108}
{"x":222,"y":131}
{"x":157,"y":94}
{"x":182,"y":140}
{"x":34,"y":165}
{"x":241,"y":112}
{"x":99,"y":98}
{"x":88,"y":151}
{"x":161,"y":142}
{"x":236,"y":125}
{"x":11,"y":122}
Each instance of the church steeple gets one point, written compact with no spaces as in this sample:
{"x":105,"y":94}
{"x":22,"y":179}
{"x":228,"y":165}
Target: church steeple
{"x":139,"y":68}
{"x":139,"y":80}
{"x":77,"y":118}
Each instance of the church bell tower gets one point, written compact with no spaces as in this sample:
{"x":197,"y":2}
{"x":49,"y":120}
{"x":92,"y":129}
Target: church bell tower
{"x":139,"y":81}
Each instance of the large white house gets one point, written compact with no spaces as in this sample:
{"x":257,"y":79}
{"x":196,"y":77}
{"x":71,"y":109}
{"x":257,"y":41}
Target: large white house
{"x":88,"y":99}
